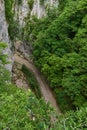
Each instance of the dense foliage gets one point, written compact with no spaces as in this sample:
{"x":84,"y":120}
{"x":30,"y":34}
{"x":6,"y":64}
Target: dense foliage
{"x":73,"y":120}
{"x":22,"y":110}
{"x":61,"y":52}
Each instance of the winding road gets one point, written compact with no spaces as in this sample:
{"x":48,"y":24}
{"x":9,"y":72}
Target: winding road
{"x":44,"y":88}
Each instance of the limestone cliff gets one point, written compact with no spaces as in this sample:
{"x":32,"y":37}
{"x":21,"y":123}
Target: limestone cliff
{"x":20,"y":11}
{"x":32,"y":7}
{"x":4,"y":36}
{"x":26,"y":9}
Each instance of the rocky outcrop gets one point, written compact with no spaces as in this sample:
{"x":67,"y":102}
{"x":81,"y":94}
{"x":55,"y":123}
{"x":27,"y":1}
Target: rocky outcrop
{"x":39,"y":7}
{"x":18,"y":77}
{"x":4,"y":37}
{"x":23,"y":49}
{"x":26,"y":9}
{"x":21,"y":11}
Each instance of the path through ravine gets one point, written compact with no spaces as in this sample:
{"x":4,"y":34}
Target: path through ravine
{"x":44,"y":88}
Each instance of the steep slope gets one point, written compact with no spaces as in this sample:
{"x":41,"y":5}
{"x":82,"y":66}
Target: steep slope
{"x":4,"y":36}
{"x":45,"y":90}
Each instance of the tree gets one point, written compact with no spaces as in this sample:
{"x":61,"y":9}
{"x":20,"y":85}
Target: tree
{"x":61,"y":51}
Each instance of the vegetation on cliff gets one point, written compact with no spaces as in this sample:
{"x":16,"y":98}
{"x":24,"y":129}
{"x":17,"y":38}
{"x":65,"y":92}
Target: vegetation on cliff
{"x":60,"y":52}
{"x":20,"y":109}
{"x":13,"y":25}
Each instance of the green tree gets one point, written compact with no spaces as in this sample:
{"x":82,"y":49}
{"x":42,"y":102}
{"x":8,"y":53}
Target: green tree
{"x":60,"y":51}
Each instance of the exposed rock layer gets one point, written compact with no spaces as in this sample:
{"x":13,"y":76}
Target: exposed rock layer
{"x":38,"y":9}
{"x":4,"y":37}
{"x":18,"y":77}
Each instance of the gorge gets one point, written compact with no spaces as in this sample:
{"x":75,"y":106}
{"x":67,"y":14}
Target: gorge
{"x":43,"y":65}
{"x":21,"y":48}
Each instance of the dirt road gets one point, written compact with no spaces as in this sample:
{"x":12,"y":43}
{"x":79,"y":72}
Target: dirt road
{"x":44,"y":88}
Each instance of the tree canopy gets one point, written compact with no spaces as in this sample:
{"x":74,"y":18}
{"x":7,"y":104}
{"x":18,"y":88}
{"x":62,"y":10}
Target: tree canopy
{"x":60,"y":51}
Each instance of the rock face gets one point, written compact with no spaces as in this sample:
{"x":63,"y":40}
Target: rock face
{"x":4,"y":37}
{"x":22,"y":49}
{"x":18,"y":77}
{"x":38,"y":9}
{"x":21,"y":11}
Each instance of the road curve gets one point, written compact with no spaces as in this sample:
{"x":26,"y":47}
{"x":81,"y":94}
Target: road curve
{"x":44,"y":88}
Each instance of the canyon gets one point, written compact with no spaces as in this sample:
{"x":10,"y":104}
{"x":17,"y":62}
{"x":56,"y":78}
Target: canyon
{"x":19,"y":52}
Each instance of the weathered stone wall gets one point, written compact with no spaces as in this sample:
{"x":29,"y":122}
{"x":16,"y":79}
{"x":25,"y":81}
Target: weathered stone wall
{"x":4,"y":37}
{"x":18,"y":77}
{"x":39,"y":9}
{"x":21,"y":11}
